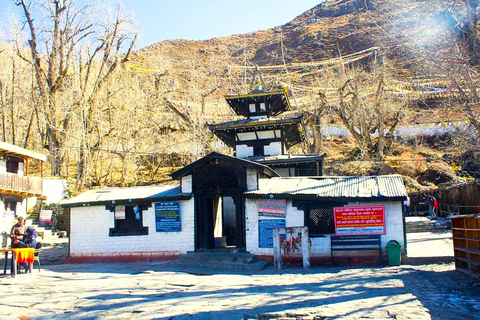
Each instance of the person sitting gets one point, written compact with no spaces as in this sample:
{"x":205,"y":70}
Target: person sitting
{"x":18,"y":230}
{"x":29,"y":240}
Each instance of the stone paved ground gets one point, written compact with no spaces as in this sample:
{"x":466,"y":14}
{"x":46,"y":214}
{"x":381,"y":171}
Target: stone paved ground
{"x":159,"y":291}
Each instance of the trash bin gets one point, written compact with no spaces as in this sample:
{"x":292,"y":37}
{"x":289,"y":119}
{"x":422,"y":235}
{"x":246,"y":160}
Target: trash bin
{"x":393,"y":252}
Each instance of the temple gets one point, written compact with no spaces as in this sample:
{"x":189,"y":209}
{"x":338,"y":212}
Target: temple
{"x":270,"y":129}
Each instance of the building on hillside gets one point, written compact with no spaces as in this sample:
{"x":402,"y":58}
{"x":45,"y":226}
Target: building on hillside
{"x":235,"y":201}
{"x":16,"y":185}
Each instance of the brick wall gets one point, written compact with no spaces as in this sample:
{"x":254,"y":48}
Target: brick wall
{"x":90,"y":234}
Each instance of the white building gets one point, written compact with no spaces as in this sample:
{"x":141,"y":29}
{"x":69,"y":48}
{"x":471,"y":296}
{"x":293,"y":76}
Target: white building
{"x":223,"y":201}
{"x":17,"y":185}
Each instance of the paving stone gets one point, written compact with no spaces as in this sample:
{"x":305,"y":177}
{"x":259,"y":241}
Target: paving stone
{"x":162,"y":290}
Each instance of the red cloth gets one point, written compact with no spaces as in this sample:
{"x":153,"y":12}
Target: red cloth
{"x":24,"y":255}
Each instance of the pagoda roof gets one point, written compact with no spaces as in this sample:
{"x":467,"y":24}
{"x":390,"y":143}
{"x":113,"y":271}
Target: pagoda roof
{"x":292,"y":125}
{"x":277,"y":100}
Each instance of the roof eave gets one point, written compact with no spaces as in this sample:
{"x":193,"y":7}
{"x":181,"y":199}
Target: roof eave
{"x":126,"y":201}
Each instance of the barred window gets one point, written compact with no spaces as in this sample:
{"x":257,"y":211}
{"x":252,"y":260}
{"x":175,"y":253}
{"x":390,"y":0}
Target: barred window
{"x":132,"y":225}
{"x":319,"y":219}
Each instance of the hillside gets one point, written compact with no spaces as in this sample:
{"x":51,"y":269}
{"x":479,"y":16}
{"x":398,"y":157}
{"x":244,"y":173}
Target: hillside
{"x":404,"y":32}
{"x":381,"y":83}
{"x":330,"y":29}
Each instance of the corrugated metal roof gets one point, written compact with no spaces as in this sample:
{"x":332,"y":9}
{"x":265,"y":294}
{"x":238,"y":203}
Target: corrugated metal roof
{"x":133,"y":193}
{"x":389,"y":186}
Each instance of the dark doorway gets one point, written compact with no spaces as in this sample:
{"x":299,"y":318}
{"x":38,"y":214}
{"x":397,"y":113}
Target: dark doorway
{"x":219,"y":222}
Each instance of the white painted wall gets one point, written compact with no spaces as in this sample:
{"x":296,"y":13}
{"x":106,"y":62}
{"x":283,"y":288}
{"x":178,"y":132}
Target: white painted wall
{"x":252,"y":179}
{"x":243,"y":151}
{"x":186,"y":184}
{"x":320,"y":245}
{"x":90,"y":233}
{"x":20,"y":169}
{"x":3,"y":166}
{"x":270,"y":134}
{"x":245,"y":136}
{"x":393,"y":220}
{"x":294,"y":218}
{"x":285,"y":172}
{"x":273,"y":149}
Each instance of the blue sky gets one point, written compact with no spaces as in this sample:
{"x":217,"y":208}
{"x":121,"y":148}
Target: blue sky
{"x":202,"y":19}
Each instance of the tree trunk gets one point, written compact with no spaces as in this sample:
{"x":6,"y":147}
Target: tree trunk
{"x":314,"y":124}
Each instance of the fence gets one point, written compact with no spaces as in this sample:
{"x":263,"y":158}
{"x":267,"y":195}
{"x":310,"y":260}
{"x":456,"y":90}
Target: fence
{"x":23,"y":184}
{"x":444,"y":210}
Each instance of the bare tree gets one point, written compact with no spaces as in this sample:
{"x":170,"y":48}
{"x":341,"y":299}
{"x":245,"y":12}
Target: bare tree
{"x":58,"y":29}
{"x":363,"y":105}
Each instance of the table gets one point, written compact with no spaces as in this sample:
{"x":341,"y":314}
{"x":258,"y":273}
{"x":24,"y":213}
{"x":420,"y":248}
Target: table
{"x":19,"y":255}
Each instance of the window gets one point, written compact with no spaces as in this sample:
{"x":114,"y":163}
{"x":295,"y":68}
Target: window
{"x":258,"y":151}
{"x":263,"y":108}
{"x":131,"y":225}
{"x":252,"y":108}
{"x":319,"y":218}
{"x":12,"y":164}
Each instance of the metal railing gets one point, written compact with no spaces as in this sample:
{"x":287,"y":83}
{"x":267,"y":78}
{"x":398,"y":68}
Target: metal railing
{"x":444,"y":210}
{"x":23,"y":184}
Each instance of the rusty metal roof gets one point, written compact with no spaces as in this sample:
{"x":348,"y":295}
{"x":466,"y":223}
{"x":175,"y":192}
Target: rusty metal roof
{"x":106,"y":195}
{"x":388,"y":186}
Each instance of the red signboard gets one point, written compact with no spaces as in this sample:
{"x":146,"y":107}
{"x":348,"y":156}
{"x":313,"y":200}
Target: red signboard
{"x":359,"y":220}
{"x":272,"y":207}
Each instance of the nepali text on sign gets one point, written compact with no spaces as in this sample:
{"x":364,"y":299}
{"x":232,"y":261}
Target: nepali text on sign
{"x":367,"y":220}
{"x":167,"y":217}
{"x":265,"y":231}
{"x":272,"y":207}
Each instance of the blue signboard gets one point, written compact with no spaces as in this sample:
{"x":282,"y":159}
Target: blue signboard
{"x":167,"y":217}
{"x":265,"y":231}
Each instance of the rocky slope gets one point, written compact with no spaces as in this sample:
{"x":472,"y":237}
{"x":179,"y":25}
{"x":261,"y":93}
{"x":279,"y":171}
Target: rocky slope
{"x":332,"y":28}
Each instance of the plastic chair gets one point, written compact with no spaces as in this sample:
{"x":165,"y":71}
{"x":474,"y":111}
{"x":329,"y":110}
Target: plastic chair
{"x":38,"y":249}
{"x":4,"y":240}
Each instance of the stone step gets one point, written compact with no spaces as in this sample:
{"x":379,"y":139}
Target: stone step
{"x":45,"y":232}
{"x":239,"y":257}
{"x":429,"y":228}
{"x":225,"y":259}
{"x":425,"y":225}
{"x":256,"y":265}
